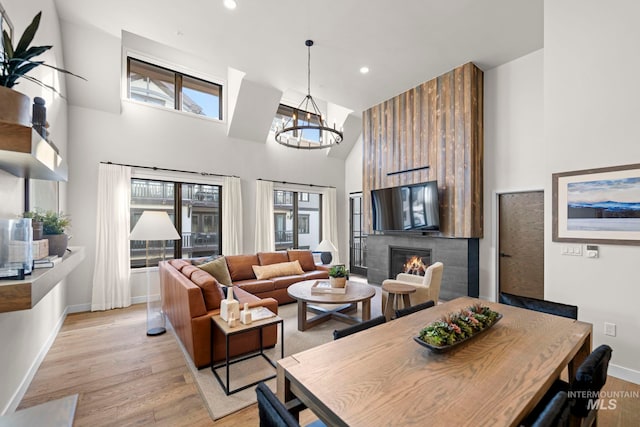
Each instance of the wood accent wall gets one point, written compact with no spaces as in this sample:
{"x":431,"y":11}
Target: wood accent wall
{"x":437,"y":124}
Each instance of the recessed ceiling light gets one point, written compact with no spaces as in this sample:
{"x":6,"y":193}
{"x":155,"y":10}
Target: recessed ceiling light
{"x":364,"y":70}
{"x":230,"y":4}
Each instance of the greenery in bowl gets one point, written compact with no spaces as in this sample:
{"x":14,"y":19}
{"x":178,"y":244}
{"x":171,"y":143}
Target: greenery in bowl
{"x":459,"y":326}
{"x":338,"y":271}
{"x":36,"y":216}
{"x":55,"y":223}
{"x":17,"y":61}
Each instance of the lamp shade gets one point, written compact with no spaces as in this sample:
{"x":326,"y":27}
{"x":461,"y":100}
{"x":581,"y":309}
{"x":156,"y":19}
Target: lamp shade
{"x":154,"y":225}
{"x":326,"y":246}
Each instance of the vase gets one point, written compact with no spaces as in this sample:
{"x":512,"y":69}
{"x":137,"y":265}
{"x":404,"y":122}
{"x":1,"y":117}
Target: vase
{"x":57,"y":243}
{"x":15,"y":107}
{"x":37,"y":230}
{"x":337,"y":282}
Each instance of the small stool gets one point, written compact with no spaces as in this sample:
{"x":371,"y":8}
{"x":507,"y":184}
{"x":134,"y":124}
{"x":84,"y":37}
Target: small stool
{"x":394,"y":289}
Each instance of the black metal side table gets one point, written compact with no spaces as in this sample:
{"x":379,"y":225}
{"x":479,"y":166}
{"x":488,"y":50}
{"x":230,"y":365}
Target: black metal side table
{"x":240,"y":329}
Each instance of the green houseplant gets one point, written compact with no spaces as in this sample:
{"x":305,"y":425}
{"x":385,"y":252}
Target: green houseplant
{"x":338,"y":275}
{"x":54,"y":226}
{"x":16,"y":61}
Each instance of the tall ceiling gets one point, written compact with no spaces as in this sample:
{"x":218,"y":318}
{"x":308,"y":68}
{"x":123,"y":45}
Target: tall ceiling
{"x":403,"y":42}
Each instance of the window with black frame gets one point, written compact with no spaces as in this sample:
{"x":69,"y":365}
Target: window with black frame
{"x":167,"y":88}
{"x":195,"y":210}
{"x":297,"y":219}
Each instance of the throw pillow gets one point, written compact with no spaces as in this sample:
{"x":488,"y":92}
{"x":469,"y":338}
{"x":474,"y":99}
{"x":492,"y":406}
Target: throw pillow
{"x":305,"y":257}
{"x":264,"y":272}
{"x":211,"y":290}
{"x":218,"y":269}
{"x":198,"y":261}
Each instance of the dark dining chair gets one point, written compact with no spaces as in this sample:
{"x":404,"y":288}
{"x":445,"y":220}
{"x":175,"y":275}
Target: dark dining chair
{"x":555,"y":413}
{"x":544,"y":306}
{"x":582,"y":393}
{"x":337,"y":334}
{"x":414,"y":308}
{"x":273,"y":413}
{"x":590,"y":378}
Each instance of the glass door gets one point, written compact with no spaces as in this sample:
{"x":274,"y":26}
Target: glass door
{"x":357,"y":238}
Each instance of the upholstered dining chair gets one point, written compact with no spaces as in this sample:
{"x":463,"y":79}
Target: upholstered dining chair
{"x":414,"y":308}
{"x":555,"y":413}
{"x":589,"y":379}
{"x":337,"y":334}
{"x":544,"y":306}
{"x":427,"y":286}
{"x":273,"y":413}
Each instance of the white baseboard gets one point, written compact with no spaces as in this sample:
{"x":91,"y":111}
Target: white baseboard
{"x":139,"y":299}
{"x":26,"y":381}
{"x":624,"y":373}
{"x":78,"y":308}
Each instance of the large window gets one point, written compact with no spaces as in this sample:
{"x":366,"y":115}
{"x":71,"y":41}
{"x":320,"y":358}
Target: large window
{"x":194,"y":209}
{"x":160,"y":86}
{"x":297,"y":219}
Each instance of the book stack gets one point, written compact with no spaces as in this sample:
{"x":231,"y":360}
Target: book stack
{"x":47,"y":262}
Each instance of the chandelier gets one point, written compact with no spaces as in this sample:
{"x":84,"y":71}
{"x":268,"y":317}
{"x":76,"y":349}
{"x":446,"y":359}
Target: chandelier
{"x":306,"y":128}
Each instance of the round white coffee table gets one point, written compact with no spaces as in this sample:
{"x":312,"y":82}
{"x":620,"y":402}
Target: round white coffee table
{"x":348,"y":303}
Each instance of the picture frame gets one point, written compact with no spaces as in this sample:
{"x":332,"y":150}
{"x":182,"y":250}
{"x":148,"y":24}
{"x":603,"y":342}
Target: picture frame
{"x":597,"y":205}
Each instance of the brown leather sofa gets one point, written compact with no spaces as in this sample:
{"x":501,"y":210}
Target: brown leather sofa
{"x":242,"y":274}
{"x":184,"y":289}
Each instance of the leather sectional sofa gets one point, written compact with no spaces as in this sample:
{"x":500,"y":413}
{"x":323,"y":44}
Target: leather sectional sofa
{"x":191,"y":296}
{"x":244,"y":277}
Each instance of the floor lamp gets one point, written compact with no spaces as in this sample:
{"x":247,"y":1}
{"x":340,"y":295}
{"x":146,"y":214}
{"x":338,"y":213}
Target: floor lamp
{"x":154,"y":225}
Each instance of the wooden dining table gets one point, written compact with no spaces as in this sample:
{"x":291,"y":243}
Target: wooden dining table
{"x":382,"y":377}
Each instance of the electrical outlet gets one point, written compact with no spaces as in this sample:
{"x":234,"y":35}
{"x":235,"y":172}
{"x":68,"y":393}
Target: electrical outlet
{"x":610,"y":329}
{"x":574,"y":250}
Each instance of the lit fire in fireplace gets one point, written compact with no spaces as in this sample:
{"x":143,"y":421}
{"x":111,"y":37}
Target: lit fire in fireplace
{"x":415,"y":266}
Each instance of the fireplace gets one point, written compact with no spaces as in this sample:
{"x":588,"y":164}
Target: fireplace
{"x":408,"y":260}
{"x":461,"y":275}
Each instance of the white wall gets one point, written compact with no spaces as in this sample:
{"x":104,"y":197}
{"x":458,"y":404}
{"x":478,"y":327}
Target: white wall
{"x":26,"y":335}
{"x":514,"y":155}
{"x":149,"y":136}
{"x":352,"y":184}
{"x":591,"y":114}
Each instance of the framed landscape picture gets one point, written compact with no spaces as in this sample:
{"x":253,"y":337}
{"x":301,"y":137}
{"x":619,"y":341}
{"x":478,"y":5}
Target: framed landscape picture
{"x":597,"y":205}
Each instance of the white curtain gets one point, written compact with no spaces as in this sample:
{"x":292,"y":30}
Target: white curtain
{"x":231,"y":216}
{"x":111,"y":270}
{"x":265,"y":231}
{"x":330,"y":220}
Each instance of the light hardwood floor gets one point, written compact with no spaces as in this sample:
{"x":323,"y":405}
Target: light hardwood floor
{"x":125,"y":378}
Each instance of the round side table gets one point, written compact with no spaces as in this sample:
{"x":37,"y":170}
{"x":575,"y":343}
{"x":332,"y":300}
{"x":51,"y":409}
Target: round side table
{"x":396,"y":290}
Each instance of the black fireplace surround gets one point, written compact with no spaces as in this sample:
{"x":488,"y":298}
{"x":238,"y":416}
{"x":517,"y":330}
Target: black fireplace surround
{"x":461,"y":275}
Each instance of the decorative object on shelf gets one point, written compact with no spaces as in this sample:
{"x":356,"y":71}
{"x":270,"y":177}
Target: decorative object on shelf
{"x":154,"y":225}
{"x":54,"y":225}
{"x":39,"y":117}
{"x":456,"y":328}
{"x":16,"y":250}
{"x":36,"y":223}
{"x":338,"y":275}
{"x":327,"y":250}
{"x":290,"y":132}
{"x":17,"y":61}
{"x":229,"y":307}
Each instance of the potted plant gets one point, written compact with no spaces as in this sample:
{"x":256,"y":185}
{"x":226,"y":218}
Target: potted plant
{"x":36,"y":223}
{"x":54,"y":226}
{"x":15,"y":62}
{"x":338,"y":275}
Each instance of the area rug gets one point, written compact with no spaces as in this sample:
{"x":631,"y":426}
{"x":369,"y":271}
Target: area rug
{"x":220,"y":405}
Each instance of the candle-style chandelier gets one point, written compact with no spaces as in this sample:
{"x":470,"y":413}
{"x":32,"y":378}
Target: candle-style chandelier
{"x":306,"y":128}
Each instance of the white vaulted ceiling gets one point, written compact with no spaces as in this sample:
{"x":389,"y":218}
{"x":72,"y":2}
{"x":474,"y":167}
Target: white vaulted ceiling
{"x":403,"y":42}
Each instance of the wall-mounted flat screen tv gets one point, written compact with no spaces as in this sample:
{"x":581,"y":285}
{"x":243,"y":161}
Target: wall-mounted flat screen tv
{"x":406,"y":207}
